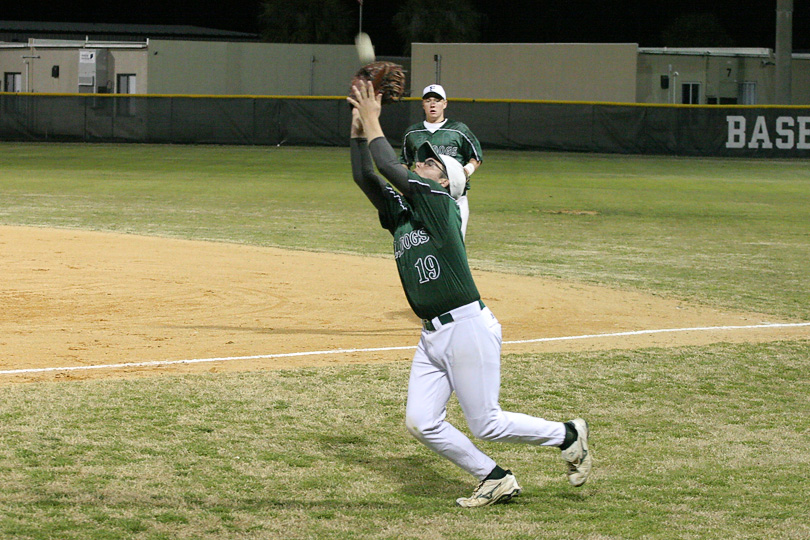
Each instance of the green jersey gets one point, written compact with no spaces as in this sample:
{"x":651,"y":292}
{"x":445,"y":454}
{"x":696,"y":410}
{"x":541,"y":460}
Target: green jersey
{"x":450,"y":139}
{"x":428,"y":247}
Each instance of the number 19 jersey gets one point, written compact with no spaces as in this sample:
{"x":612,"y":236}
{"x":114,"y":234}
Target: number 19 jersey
{"x":429,"y":248}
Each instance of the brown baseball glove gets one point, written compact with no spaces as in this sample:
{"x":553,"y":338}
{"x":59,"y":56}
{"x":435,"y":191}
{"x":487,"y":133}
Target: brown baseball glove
{"x":388,"y":79}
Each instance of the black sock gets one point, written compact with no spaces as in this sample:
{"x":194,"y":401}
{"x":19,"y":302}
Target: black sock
{"x":496,"y":474}
{"x":571,"y":436}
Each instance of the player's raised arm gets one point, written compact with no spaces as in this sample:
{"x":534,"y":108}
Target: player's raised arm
{"x":363,"y":166}
{"x":368,"y":104}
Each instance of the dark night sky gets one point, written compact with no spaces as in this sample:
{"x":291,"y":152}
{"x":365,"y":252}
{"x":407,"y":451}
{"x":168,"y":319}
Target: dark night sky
{"x":505,"y":21}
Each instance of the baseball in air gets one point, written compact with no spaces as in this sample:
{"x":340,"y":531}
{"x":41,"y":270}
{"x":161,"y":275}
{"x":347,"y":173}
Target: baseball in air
{"x":365,"y":50}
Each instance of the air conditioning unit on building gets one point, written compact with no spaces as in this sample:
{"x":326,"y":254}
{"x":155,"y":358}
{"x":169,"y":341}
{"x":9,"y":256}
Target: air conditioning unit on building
{"x":93,"y":71}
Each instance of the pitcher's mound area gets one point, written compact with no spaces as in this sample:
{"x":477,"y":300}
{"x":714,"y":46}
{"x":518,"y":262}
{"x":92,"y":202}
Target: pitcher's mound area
{"x":73,"y":298}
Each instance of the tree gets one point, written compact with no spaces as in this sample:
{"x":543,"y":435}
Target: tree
{"x":305,"y":21}
{"x":428,"y":21}
{"x":696,"y":30}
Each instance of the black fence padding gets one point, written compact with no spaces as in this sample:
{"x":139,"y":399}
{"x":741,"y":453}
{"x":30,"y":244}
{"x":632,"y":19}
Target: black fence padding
{"x":743,"y":131}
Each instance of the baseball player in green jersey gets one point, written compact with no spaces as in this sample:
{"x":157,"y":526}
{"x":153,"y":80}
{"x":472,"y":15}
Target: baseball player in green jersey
{"x":460,"y":345}
{"x":448,"y":138}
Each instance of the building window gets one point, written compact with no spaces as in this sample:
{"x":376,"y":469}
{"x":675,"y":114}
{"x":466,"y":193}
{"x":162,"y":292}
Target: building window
{"x":690,"y":93}
{"x":126,"y":84}
{"x":12,"y":82}
{"x":748,"y":93}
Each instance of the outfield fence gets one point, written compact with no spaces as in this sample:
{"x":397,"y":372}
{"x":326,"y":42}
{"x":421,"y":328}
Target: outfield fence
{"x":689,"y":130}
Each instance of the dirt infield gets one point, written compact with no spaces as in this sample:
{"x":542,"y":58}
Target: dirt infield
{"x":82,"y":299}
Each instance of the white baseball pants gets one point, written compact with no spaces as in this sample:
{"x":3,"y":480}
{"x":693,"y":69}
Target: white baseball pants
{"x":464,"y":209}
{"x":464,"y":356}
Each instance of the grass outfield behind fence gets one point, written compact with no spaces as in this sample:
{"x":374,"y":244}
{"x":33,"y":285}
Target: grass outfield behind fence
{"x":697,"y":442}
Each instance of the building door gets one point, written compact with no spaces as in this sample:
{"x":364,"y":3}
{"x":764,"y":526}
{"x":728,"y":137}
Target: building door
{"x":125,"y":84}
{"x":748,"y":93}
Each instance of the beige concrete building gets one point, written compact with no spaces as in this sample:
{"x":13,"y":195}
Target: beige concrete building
{"x":716,"y":76}
{"x":620,"y":73}
{"x":65,"y":67}
{"x":543,"y":71}
{"x":589,"y":72}
{"x":176,"y":67}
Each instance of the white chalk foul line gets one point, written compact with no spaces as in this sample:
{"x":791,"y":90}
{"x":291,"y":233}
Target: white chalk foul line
{"x":199,"y":360}
{"x":663,"y":331}
{"x":383,"y":349}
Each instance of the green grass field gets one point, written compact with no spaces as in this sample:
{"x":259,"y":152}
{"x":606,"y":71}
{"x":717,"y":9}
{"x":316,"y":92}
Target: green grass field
{"x":695,"y":442}
{"x":731,"y":233}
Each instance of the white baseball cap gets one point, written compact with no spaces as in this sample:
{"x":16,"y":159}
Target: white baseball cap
{"x":454,"y":170}
{"x":434,"y":89}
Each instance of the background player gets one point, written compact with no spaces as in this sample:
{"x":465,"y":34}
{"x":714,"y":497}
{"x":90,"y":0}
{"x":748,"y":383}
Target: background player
{"x":460,"y":346}
{"x":448,"y":137}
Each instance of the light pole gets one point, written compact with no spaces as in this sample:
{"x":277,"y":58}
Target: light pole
{"x":784,"y":51}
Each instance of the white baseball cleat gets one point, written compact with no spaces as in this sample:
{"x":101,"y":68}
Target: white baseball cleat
{"x":492,"y":492}
{"x":577,"y":456}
